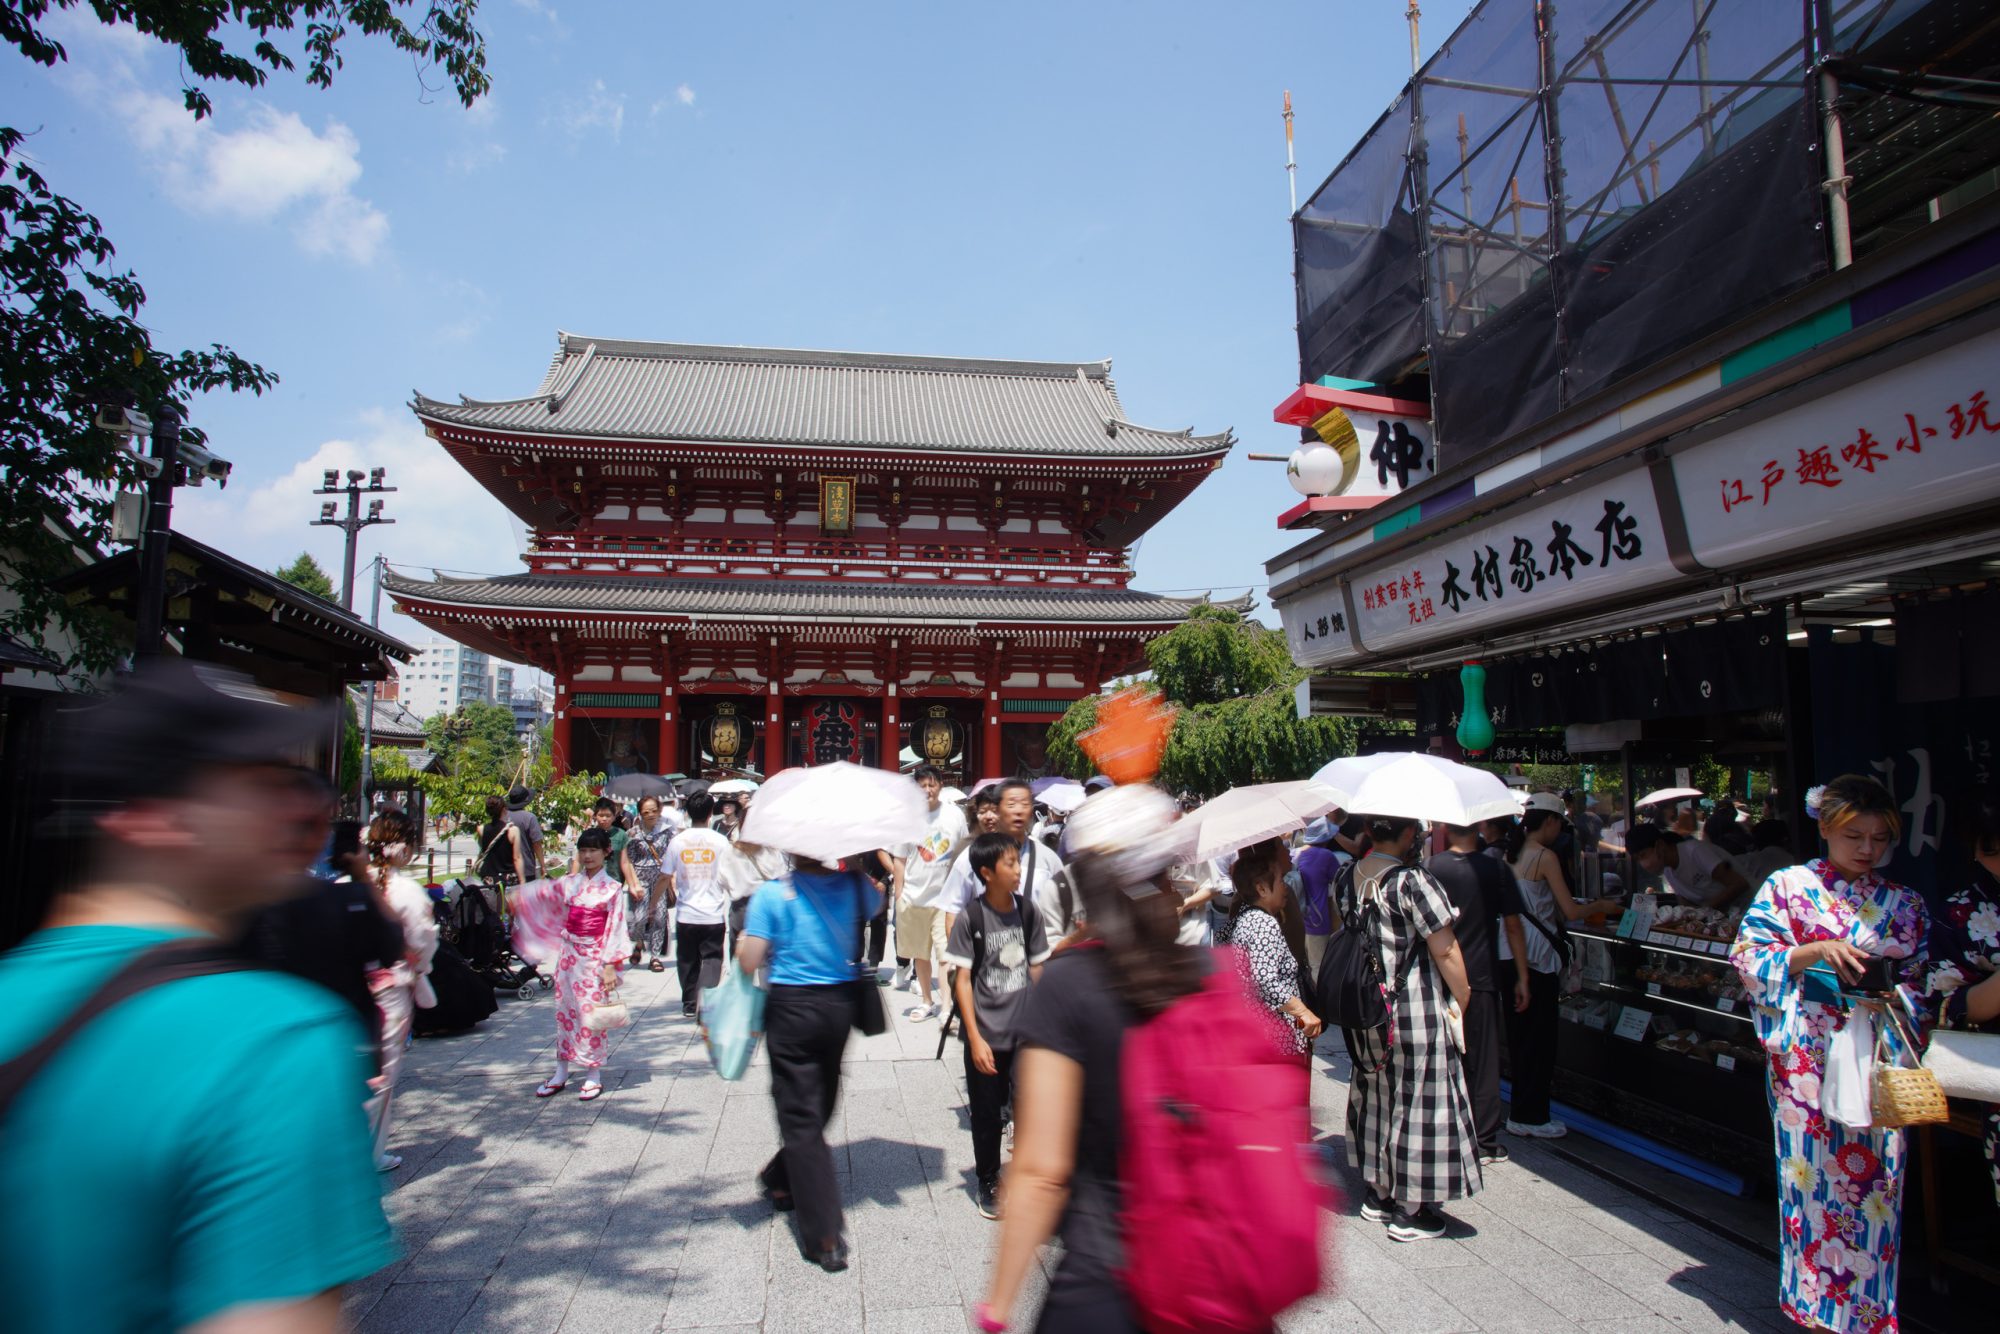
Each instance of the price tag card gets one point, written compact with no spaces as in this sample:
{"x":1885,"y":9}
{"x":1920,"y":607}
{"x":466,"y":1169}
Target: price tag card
{"x":1652,"y":988}
{"x":1726,"y":1004}
{"x":1726,"y":1062}
{"x":1658,"y":938}
{"x":1627,"y":923}
{"x":1632,"y":1023}
{"x":1718,"y":947}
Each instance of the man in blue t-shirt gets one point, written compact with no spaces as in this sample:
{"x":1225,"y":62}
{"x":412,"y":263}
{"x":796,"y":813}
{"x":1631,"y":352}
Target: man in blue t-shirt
{"x":197,"y":1154}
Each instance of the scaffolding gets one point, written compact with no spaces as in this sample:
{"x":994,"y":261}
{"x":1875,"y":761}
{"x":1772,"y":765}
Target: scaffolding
{"x":1571,"y":190}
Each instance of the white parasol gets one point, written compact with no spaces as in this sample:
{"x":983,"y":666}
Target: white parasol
{"x":950,"y":795}
{"x":831,"y":811}
{"x":1246,"y":815}
{"x":1416,"y":787}
{"x":1668,"y":794}
{"x":732,"y":786}
{"x":1062,"y":798}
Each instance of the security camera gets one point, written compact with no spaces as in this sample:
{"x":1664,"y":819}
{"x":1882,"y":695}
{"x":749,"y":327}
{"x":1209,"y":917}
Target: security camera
{"x":203,"y":465}
{"x":128,"y":422}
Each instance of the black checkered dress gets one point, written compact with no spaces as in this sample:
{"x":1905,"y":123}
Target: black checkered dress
{"x":1409,"y":1122}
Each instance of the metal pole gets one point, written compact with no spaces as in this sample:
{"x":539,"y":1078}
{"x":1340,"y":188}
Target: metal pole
{"x":150,"y":604}
{"x":353,"y":527}
{"x":1837,"y":179}
{"x":368,"y":718}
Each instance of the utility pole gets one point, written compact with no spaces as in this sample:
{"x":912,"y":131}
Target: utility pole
{"x":353,"y":522}
{"x":150,"y":608}
{"x":368,"y":718}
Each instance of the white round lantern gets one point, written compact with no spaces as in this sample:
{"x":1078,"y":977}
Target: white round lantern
{"x":1313,"y":470}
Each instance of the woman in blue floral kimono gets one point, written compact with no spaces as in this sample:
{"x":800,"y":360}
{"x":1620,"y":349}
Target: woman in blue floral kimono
{"x":1962,"y":975}
{"x":1840,"y":1190}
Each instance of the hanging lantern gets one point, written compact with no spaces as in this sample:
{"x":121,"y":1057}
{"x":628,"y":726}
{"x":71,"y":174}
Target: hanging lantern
{"x":1475,"y":725}
{"x":1313,"y":470}
{"x":833,"y":731}
{"x":939,"y":737}
{"x":724,"y":735}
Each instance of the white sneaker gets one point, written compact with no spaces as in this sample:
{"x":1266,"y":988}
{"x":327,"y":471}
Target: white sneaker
{"x":1549,"y":1129}
{"x":903,"y":978}
{"x":388,"y":1162}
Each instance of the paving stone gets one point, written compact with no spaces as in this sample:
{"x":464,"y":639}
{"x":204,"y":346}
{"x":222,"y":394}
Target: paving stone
{"x":1495,"y":1302}
{"x":618,"y":1304}
{"x":420,"y":1308}
{"x":721,"y":1279}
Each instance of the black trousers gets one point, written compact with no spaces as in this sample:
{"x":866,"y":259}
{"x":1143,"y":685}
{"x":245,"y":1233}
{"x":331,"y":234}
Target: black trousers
{"x":878,"y":935}
{"x":988,"y":1096}
{"x":698,"y":955}
{"x":1531,"y":1049}
{"x":1483,"y":1025}
{"x":805,"y":1031}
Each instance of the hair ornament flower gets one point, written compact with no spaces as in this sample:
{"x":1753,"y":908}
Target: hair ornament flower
{"x":1813,"y":797}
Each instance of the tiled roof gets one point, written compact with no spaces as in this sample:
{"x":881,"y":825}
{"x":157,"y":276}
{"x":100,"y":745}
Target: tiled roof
{"x":694,"y":393}
{"x":797,"y":600}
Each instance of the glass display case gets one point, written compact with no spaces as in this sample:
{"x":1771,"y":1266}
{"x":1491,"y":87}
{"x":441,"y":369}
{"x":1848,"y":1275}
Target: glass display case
{"x":1655,"y":1035}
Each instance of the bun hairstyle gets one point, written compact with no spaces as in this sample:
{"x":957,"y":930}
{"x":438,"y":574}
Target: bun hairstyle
{"x":1852,"y":795}
{"x":1388,"y":828}
{"x":391,"y":828}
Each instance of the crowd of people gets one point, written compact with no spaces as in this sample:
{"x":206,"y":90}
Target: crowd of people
{"x":1049,"y":942}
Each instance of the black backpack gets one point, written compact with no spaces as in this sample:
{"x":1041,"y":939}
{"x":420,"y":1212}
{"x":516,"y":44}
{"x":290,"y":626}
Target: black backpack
{"x":1349,"y":989}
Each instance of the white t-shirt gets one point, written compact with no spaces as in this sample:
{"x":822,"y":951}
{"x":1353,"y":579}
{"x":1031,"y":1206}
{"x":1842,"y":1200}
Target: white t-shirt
{"x":696,"y":858}
{"x":927,"y":862}
{"x":743,"y":869}
{"x":962,"y":886}
{"x":1695,"y":878}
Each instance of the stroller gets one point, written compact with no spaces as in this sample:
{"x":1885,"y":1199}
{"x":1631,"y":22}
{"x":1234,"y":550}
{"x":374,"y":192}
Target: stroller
{"x":473,"y":918}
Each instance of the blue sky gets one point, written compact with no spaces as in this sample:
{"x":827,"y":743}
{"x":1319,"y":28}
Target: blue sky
{"x":1031,"y":180}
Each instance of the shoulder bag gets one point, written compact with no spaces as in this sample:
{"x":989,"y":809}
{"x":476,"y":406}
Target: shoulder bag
{"x":870,"y":1017}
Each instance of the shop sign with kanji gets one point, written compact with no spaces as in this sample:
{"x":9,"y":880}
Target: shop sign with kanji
{"x":1911,"y":443}
{"x":1316,"y":627}
{"x":1596,"y":541}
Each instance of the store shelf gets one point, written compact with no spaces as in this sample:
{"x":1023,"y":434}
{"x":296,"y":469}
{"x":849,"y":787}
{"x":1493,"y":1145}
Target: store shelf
{"x":1605,"y":936}
{"x":1641,"y":992}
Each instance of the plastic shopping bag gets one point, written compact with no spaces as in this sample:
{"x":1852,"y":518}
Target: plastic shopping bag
{"x":1846,"y":1091}
{"x":732,"y":1018}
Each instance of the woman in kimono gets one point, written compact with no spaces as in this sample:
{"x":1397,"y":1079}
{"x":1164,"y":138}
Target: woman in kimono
{"x":1961,"y":979}
{"x":1410,"y":1127}
{"x":1840,"y":1190}
{"x":402,"y":986}
{"x":578,"y":922}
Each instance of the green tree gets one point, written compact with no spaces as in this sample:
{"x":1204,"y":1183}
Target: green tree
{"x":478,"y":757}
{"x":305,"y":572}
{"x":1234,"y":682}
{"x":73,"y":339}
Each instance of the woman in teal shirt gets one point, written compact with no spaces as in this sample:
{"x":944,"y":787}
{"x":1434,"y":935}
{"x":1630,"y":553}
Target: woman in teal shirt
{"x":807,"y":929}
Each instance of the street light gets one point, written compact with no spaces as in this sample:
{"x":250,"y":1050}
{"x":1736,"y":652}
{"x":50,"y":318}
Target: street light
{"x":353,"y":522}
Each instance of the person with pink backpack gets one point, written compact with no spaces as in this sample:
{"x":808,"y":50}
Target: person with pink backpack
{"x":1158,"y":1129}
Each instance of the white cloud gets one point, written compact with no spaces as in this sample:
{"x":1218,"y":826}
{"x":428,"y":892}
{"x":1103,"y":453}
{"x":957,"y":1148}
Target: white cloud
{"x":684,"y":95}
{"x":274,"y":167}
{"x":477,"y":158}
{"x":444,"y":519}
{"x":598,"y":109}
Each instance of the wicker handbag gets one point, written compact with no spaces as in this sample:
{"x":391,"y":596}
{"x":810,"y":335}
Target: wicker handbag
{"x":1905,"y":1095}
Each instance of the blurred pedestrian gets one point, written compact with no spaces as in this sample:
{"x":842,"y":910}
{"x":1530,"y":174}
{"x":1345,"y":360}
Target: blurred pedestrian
{"x":920,"y":922}
{"x":1318,"y":864}
{"x":402,"y":985}
{"x":1274,"y":972}
{"x":649,"y":883}
{"x":502,"y":847}
{"x":1960,"y":982}
{"x":238,"y":1202}
{"x":805,"y":929}
{"x":1489,"y":909}
{"x":530,"y":826}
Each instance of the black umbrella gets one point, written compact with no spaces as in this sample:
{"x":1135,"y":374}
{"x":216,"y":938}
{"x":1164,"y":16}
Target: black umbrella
{"x":631,"y":787}
{"x":689,"y":786}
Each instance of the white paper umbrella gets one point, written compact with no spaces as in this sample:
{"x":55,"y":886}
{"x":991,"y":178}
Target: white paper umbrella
{"x":1669,"y":794}
{"x":950,"y":795}
{"x":831,"y":811}
{"x":1246,"y":815}
{"x":731,"y":786}
{"x":1062,"y":798}
{"x":1417,"y":787}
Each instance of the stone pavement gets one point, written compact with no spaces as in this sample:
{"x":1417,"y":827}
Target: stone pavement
{"x":639,"y":1211}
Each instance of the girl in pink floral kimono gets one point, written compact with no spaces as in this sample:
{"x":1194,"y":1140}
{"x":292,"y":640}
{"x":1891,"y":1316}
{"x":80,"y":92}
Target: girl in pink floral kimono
{"x":578,"y":924}
{"x":1840,"y":1188}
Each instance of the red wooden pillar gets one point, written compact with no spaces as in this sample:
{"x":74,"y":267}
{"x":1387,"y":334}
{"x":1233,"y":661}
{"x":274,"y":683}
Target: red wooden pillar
{"x":559,"y":733}
{"x":670,"y":733}
{"x":774,"y":734}
{"x":892,"y":731}
{"x":989,"y":745}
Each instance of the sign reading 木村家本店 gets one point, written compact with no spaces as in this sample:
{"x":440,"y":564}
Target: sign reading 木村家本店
{"x":1599,"y":540}
{"x":1912,"y":442}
